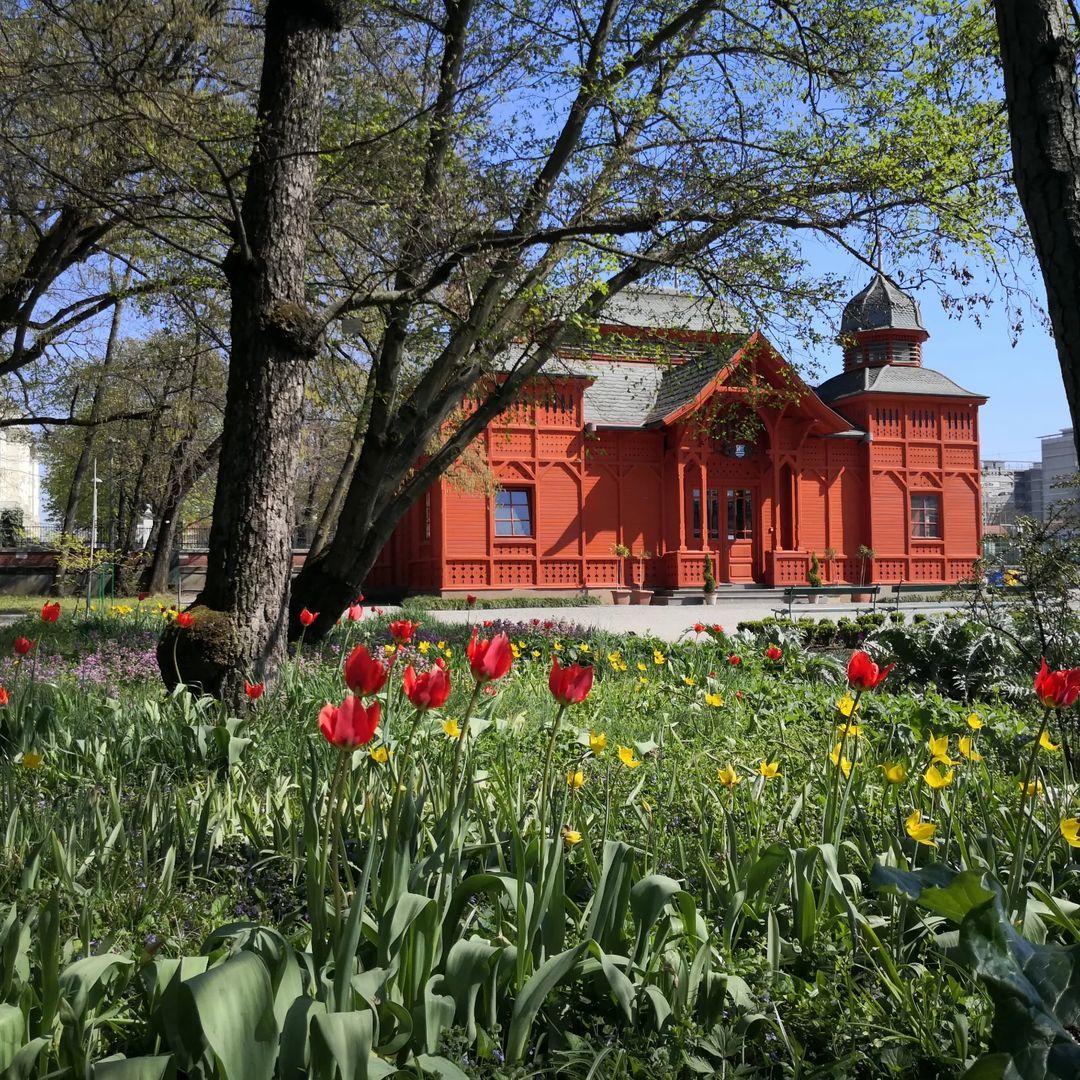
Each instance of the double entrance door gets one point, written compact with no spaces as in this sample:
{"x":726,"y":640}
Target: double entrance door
{"x":731,"y":520}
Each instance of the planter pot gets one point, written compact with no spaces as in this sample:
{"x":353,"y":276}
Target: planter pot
{"x":620,"y":596}
{"x":709,"y":598}
{"x":860,"y":598}
{"x":641,"y":596}
{"x":815,"y":599}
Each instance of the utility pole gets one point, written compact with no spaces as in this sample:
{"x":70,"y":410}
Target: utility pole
{"x":93,"y":538}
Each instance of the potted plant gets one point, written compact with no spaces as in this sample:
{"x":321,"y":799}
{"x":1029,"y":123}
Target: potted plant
{"x":641,"y":595}
{"x":866,"y":558}
{"x":709,"y":588}
{"x":620,"y":595}
{"x":813,"y":576}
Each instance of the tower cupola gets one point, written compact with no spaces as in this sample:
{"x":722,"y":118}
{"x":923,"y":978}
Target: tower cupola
{"x":882,"y":325}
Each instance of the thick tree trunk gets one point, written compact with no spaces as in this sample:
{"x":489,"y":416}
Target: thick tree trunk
{"x":156,"y":578}
{"x":240,"y":629}
{"x":1039,"y":58}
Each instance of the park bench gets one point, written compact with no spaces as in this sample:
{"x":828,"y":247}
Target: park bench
{"x":806,"y":591}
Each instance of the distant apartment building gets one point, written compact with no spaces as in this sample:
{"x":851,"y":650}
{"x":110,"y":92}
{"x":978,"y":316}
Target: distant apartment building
{"x":20,"y":480}
{"x":1058,"y":463}
{"x":1005,"y":487}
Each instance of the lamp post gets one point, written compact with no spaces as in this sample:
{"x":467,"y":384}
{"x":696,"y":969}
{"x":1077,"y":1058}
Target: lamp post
{"x":93,"y":537}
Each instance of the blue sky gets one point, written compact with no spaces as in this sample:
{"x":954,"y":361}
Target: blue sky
{"x":1023,"y":383}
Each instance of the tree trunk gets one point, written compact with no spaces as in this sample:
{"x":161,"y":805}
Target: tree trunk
{"x":240,"y":627}
{"x":156,"y":579}
{"x":71,"y":509}
{"x":1037,"y":40}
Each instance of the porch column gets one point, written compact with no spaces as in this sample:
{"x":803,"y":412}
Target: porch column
{"x":680,"y":472}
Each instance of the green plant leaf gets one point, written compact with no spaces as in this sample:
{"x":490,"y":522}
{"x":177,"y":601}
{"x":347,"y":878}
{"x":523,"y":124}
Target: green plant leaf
{"x":533,"y":995}
{"x":341,"y":1045}
{"x":228,"y":1011}
{"x":137,"y":1068}
{"x":12,"y":1032}
{"x":648,"y":898}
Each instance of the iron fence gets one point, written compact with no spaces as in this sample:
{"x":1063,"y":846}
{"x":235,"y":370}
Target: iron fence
{"x":48,"y":537}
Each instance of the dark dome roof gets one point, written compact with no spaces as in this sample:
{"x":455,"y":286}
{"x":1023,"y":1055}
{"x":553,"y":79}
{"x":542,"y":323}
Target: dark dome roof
{"x":881,"y":306}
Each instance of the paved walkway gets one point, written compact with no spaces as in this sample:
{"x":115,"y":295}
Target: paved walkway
{"x":672,"y":622}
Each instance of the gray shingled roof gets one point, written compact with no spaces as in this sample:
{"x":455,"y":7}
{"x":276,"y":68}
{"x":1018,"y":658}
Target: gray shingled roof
{"x":881,"y":306}
{"x":890,"y":379}
{"x":666,"y":309}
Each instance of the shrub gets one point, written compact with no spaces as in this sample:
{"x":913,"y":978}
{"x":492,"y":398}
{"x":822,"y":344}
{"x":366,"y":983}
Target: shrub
{"x":459,"y":603}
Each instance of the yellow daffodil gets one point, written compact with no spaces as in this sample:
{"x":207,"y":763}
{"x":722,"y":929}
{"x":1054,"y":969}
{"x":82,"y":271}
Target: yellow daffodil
{"x":521,"y":644}
{"x":974,"y":721}
{"x":380,"y":755}
{"x":583,"y":646}
{"x":448,"y":653}
{"x":626,"y":756}
{"x":452,"y":728}
{"x":642,"y":680}
{"x":689,"y":680}
{"x":571,"y":836}
{"x":895,"y":773}
{"x":852,"y":731}
{"x":1032,"y":788}
{"x":968,"y":750}
{"x":1046,"y":744}
{"x":389,"y":650}
{"x":715,"y":700}
{"x":597,"y":742}
{"x":31,"y":760}
{"x":922,"y":832}
{"x":938,"y":779}
{"x":768,"y":769}
{"x":642,"y":666}
{"x":658,"y":657}
{"x":440,"y":645}
{"x":846,"y":705}
{"x":557,"y":646}
{"x":728,"y":776}
{"x":515,"y":651}
{"x":576,"y":779}
{"x":536,"y":654}
{"x":1070,"y":829}
{"x":423,"y":647}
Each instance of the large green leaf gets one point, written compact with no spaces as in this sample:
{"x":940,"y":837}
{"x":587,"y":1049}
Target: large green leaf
{"x":936,"y":888}
{"x":1036,"y":994}
{"x":83,"y":982}
{"x":467,"y":967}
{"x":12,"y":1030}
{"x":137,"y":1068}
{"x":607,"y":912}
{"x":648,"y":898}
{"x":533,"y":995}
{"x":227,"y":1011}
{"x":341,"y":1045}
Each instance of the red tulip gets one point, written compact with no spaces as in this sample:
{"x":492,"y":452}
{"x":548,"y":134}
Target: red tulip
{"x":488,"y":623}
{"x":864,"y":674}
{"x":773,"y":653}
{"x":349,"y":724}
{"x":490,"y":660}
{"x":142,"y":596}
{"x":50,"y":612}
{"x":356,"y":613}
{"x":254,"y":691}
{"x":22,"y":645}
{"x":470,"y":599}
{"x":428,"y":690}
{"x":4,"y":698}
{"x":308,"y":617}
{"x":734,"y":659}
{"x":548,"y":624}
{"x":1057,"y":689}
{"x":364,"y":675}
{"x":185,"y":620}
{"x":699,"y":628}
{"x":402,"y":631}
{"x":717,"y":628}
{"x":569,"y":685}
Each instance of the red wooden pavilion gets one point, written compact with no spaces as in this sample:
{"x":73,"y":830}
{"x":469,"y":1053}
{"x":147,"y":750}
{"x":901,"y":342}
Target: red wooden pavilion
{"x":629,"y":440}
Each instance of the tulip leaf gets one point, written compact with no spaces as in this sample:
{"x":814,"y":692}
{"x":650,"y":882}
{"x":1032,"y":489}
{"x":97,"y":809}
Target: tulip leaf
{"x":228,"y":1011}
{"x":533,"y":995}
{"x":607,"y":912}
{"x":81,"y":982}
{"x":341,"y":1045}
{"x":936,"y":888}
{"x":439,"y":1067}
{"x":622,"y":988}
{"x":136,"y":1068}
{"x":12,"y":1027}
{"x":648,"y":898}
